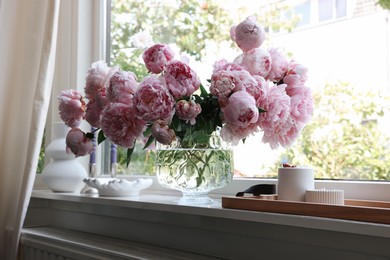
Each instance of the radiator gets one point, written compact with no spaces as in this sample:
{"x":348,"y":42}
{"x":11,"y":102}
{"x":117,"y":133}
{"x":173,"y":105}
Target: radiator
{"x":47,"y":243}
{"x":28,"y":252}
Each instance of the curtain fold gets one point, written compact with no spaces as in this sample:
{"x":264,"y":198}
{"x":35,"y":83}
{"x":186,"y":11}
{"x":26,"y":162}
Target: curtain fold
{"x":28,"y":32}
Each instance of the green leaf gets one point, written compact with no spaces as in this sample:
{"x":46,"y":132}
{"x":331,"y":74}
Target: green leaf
{"x":175,"y":122}
{"x":101,"y":137}
{"x":90,"y":135}
{"x":200,"y":137}
{"x":261,"y":110}
{"x":129,"y":155}
{"x":148,"y":130}
{"x":149,"y":142}
{"x":198,"y":99}
{"x":203,"y":92}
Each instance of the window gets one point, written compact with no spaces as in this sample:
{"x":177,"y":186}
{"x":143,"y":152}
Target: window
{"x":325,"y":10}
{"x":331,"y":9}
{"x":77,"y":56}
{"x":341,"y":8}
{"x":347,"y":138}
{"x":303,"y":11}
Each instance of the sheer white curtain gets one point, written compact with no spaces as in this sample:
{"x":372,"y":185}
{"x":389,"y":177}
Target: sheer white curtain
{"x":28,"y":32}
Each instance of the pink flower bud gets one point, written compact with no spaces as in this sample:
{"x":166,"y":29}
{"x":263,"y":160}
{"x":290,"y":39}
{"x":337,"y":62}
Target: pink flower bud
{"x":78,"y":142}
{"x":162,"y":133}
{"x":248,"y":34}
{"x":188,"y":110}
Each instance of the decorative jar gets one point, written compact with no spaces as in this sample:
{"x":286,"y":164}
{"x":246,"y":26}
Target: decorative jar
{"x":63,"y":173}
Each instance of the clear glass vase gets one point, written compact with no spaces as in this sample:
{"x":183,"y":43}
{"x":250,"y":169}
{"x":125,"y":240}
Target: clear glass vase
{"x":195,"y":171}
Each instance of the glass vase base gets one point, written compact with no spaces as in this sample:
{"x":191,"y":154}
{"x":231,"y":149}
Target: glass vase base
{"x":195,"y":200}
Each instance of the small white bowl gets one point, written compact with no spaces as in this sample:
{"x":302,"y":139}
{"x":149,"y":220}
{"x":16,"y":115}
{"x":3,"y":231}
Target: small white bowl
{"x":118,"y":187}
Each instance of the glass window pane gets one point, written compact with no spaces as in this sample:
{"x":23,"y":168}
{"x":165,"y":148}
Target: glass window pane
{"x":347,"y":137}
{"x":325,"y":10}
{"x":341,"y":8}
{"x":303,"y":11}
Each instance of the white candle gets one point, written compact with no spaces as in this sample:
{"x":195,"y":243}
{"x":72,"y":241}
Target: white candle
{"x":323,"y":196}
{"x":293,"y":183}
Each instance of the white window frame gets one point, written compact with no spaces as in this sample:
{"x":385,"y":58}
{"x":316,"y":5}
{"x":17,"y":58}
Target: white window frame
{"x":81,"y":42}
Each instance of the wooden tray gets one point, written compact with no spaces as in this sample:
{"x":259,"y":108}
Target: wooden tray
{"x":358,"y":210}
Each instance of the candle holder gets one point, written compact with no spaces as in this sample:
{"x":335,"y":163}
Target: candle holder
{"x":293,"y":183}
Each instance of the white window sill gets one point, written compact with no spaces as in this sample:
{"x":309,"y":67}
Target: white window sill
{"x":155,"y":218}
{"x":152,"y":200}
{"x":362,"y":190}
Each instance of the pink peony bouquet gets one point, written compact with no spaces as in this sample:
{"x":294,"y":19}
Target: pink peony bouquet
{"x":261,"y":90}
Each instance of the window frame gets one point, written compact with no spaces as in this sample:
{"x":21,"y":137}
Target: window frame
{"x":86,"y":33}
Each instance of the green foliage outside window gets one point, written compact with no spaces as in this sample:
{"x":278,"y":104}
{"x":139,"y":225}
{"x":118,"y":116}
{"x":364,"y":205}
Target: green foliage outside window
{"x":189,"y":24}
{"x":41,"y":160}
{"x":346,"y":138}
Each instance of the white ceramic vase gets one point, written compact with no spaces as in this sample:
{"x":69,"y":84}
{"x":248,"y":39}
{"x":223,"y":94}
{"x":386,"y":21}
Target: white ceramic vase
{"x":64,"y":173}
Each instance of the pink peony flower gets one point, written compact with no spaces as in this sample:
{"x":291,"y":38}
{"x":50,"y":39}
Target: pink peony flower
{"x":241,"y":110}
{"x":273,"y":122}
{"x":296,"y":75}
{"x":222,"y":83}
{"x":241,"y":117}
{"x":248,"y":34}
{"x":233,"y":134}
{"x":162,"y":133}
{"x":256,"y":61}
{"x":218,"y":65}
{"x":244,"y":80}
{"x":94,"y":109}
{"x":121,"y":125}
{"x":152,"y":100}
{"x":188,"y":110}
{"x":225,"y":82}
{"x":279,"y":65}
{"x":301,"y":104}
{"x":285,"y":135}
{"x":259,"y":90}
{"x":122,"y":87}
{"x":71,"y":107}
{"x":156,"y":57}
{"x":181,"y":80}
{"x":97,"y":79}
{"x":78,"y":142}
{"x":228,"y":66}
